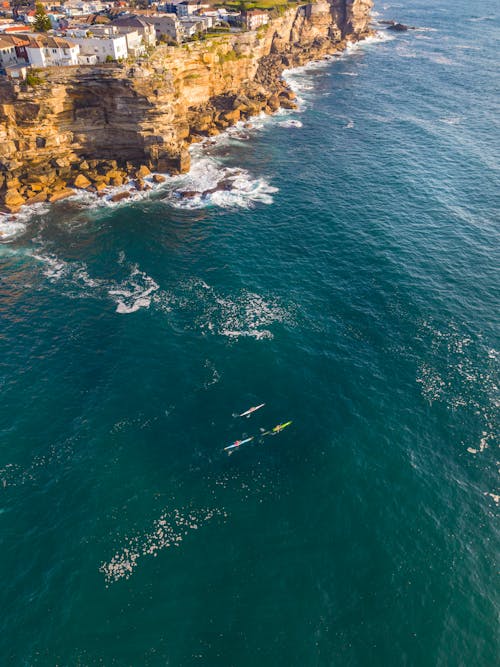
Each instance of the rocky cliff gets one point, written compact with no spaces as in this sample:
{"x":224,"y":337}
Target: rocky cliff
{"x":95,"y":126}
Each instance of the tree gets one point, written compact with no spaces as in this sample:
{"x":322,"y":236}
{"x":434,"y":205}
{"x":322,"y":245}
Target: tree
{"x":42,"y":22}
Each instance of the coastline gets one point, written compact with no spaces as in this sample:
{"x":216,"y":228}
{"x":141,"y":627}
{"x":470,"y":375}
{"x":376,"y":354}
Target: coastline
{"x":94,"y":127}
{"x":226,"y":194}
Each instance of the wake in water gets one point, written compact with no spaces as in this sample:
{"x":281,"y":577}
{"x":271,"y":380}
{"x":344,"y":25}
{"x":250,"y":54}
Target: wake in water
{"x":129,"y":295}
{"x":234,"y":316}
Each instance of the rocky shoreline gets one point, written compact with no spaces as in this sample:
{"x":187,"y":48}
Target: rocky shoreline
{"x":92,"y":129}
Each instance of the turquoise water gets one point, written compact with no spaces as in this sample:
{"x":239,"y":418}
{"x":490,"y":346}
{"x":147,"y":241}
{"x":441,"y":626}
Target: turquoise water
{"x":350,"y":280}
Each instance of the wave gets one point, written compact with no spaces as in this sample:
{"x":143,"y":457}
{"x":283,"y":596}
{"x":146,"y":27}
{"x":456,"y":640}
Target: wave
{"x":10,"y":229}
{"x":479,"y":19}
{"x":290,"y":123}
{"x":129,"y":295}
{"x":242,"y":315}
{"x":211,"y":184}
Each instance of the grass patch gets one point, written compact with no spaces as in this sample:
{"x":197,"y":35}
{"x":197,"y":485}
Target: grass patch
{"x":230,"y":56}
{"x":32,"y":78}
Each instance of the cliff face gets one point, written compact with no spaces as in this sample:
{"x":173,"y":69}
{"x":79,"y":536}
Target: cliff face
{"x":148,"y":113}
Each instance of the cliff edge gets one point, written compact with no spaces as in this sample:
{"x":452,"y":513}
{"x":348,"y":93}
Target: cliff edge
{"x":94,"y":126}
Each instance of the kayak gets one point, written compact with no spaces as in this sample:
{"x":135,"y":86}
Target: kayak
{"x":277,"y":429}
{"x":251,"y":410}
{"x":237,"y":443}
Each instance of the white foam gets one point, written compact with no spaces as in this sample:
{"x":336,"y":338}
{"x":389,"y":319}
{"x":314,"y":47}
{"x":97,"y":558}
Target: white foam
{"x":129,"y":295}
{"x":10,"y":229}
{"x":452,"y":120}
{"x":240,"y":190}
{"x":469,"y":383}
{"x":169,"y":530}
{"x":53,"y":267}
{"x":290,"y":123}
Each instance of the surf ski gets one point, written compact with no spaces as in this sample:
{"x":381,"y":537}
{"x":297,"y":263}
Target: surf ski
{"x":236,"y":444}
{"x":248,"y":412}
{"x":277,"y":429}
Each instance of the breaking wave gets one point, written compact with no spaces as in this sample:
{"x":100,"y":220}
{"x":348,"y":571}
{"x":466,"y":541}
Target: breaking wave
{"x":211,"y":184}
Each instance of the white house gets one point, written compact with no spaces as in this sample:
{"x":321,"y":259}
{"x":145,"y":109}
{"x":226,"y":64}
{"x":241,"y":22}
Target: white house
{"x":8,"y":55}
{"x":189,"y":7}
{"x":47,"y":51}
{"x":191,"y":26}
{"x":88,"y":59}
{"x":254,"y":18}
{"x":112,"y":47}
{"x":135,"y":44}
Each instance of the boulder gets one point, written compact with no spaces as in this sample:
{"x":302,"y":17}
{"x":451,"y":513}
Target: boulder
{"x":143,"y":171}
{"x":117,"y":181}
{"x":13,"y":200}
{"x":288,"y":94}
{"x":37,"y":187}
{"x":37,"y":198}
{"x":12,"y":183}
{"x":84,"y":166}
{"x":60,"y":163}
{"x":62,"y":194}
{"x":398,"y":27}
{"x":273,"y":103}
{"x":59,"y":185}
{"x":231,"y":117}
{"x":159,"y":178}
{"x":120,"y":195}
{"x":82,"y":182}
{"x":99,"y":186}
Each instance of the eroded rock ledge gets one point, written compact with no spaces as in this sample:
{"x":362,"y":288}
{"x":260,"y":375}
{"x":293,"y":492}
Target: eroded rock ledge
{"x":90,"y":127}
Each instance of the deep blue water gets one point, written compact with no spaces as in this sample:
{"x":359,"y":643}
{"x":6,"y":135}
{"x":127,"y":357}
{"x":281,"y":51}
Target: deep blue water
{"x":351,"y":282}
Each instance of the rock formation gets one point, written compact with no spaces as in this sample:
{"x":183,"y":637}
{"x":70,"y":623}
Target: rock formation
{"x":93,"y":126}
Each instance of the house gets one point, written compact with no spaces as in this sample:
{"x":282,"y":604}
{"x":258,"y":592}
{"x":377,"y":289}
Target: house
{"x":135,"y":44}
{"x":8,"y":55}
{"x":191,"y":26}
{"x":131,"y":22}
{"x":189,"y":7}
{"x":166,"y":26}
{"x":105,"y":47}
{"x":47,"y":51}
{"x":20,"y":43}
{"x":87,"y":59}
{"x":254,"y":18}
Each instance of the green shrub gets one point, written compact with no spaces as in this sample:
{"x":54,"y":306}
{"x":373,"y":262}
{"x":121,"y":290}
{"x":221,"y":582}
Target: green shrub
{"x":33,"y":80}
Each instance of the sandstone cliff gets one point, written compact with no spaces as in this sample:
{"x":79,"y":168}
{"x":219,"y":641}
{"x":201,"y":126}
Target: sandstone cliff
{"x":98,"y":124}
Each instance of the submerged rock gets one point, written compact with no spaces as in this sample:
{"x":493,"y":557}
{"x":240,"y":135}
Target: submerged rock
{"x":120,"y":195}
{"x":399,"y":27}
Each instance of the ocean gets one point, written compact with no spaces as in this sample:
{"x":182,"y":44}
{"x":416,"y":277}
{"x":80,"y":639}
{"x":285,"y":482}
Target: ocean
{"x":350,"y":280}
